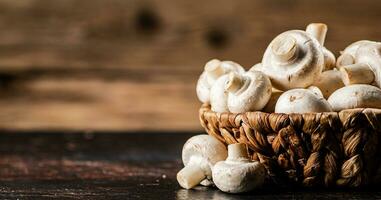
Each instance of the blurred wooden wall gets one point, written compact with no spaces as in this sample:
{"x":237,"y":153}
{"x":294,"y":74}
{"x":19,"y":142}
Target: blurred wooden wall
{"x":133,"y":64}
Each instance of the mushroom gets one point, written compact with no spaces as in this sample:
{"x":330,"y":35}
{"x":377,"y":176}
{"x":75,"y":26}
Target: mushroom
{"x":219,"y":95}
{"x":238,"y":174}
{"x":203,"y":89}
{"x":319,"y":31}
{"x":294,"y":59}
{"x":212,"y":71}
{"x":347,"y":56}
{"x":248,"y":92}
{"x":199,"y":155}
{"x":215,"y":68}
{"x":329,"y":81}
{"x":360,"y":63}
{"x":355,"y":96}
{"x":302,"y":101}
{"x":270,"y":106}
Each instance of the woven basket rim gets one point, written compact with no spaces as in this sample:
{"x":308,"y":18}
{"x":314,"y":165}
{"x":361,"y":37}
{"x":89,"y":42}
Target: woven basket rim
{"x":207,"y":108}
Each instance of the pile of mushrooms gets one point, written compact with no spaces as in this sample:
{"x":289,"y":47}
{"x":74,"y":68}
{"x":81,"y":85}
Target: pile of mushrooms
{"x":297,"y":74}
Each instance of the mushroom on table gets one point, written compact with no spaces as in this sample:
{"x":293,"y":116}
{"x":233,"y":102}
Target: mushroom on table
{"x":199,"y":155}
{"x":238,"y":173}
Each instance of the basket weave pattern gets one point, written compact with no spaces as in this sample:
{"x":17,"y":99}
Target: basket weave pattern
{"x":313,"y":149}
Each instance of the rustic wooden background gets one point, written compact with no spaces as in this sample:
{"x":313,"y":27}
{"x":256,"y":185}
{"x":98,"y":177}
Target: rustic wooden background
{"x":133,"y":64}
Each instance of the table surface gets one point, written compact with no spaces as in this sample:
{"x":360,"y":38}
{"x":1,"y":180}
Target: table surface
{"x":116,"y":166}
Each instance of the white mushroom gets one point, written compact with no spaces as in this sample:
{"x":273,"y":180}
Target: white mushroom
{"x":219,"y":95}
{"x":215,"y":68}
{"x":212,"y":71}
{"x":270,"y":106}
{"x":294,"y":59}
{"x":302,"y":101}
{"x":319,"y":31}
{"x":248,"y":92}
{"x":199,"y":155}
{"x":368,"y":56}
{"x":355,"y":96}
{"x":347,"y":56}
{"x":238,"y":174}
{"x":203,"y":89}
{"x":360,"y":63}
{"x":329,"y":81}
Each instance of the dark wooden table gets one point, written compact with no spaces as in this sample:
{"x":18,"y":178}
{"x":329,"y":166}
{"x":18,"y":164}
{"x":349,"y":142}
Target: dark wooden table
{"x":115,"y":166}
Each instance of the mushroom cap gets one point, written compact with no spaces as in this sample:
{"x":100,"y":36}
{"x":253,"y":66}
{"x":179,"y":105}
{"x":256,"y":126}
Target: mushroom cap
{"x":219,"y":68}
{"x":301,"y":101}
{"x":348,"y":54}
{"x":355,"y":96}
{"x":300,"y":71}
{"x":219,"y":96}
{"x":352,"y":48}
{"x":370,"y":53}
{"x":232,"y":66}
{"x":329,"y":81}
{"x":237,"y":177}
{"x":203,"y":89}
{"x":253,"y":95}
{"x":204,"y":149}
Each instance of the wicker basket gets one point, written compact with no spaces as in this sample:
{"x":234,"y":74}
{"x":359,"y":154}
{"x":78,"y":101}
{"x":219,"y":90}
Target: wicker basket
{"x":314,"y":149}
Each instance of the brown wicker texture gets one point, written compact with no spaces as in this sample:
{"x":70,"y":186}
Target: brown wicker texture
{"x":314,"y":149}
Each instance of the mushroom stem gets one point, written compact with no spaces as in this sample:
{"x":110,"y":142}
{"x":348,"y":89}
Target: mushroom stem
{"x":234,"y":83}
{"x":237,"y":151}
{"x":190,"y":176}
{"x":358,"y":73}
{"x":318,"y":30}
{"x":329,"y":59}
{"x":213,"y":69}
{"x":285,"y":49}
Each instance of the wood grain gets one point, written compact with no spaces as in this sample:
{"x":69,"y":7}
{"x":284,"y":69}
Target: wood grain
{"x":133,"y":65}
